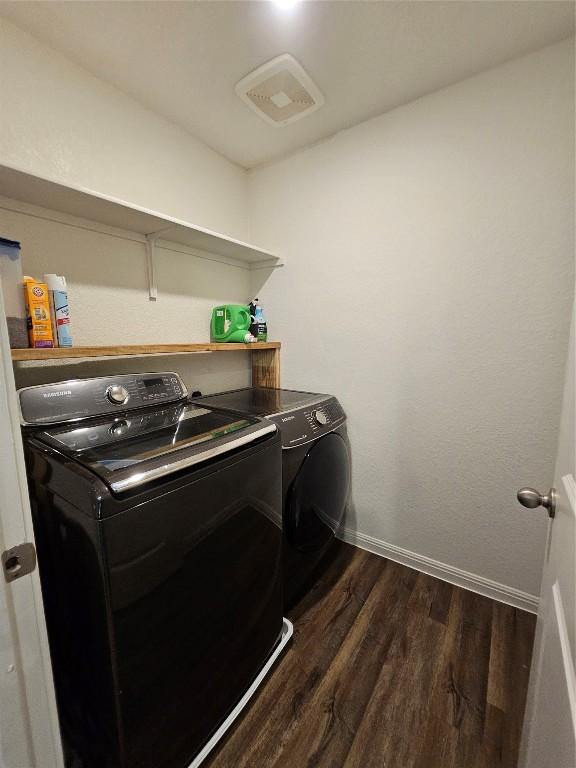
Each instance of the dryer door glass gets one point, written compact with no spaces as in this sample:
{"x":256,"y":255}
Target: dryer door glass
{"x":317,"y":498}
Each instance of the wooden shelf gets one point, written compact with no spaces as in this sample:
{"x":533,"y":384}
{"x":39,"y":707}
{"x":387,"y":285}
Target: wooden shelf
{"x":265,"y":355}
{"x":102,"y":209}
{"x":136,"y":350}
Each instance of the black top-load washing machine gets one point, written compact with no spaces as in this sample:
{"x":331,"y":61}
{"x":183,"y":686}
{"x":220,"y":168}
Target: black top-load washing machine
{"x":315,"y":471}
{"x":158,"y":529}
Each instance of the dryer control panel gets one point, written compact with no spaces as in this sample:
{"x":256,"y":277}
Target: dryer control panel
{"x":305,"y":424}
{"x":82,"y":398}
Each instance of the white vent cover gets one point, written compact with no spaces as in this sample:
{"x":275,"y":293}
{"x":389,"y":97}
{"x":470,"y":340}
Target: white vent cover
{"x":280,"y":91}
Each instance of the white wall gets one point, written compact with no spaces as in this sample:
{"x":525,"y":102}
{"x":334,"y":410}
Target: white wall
{"x":428,"y":285}
{"x":59,"y":121}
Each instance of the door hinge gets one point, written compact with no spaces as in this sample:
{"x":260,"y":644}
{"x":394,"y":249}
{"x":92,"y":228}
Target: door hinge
{"x":18,"y":561}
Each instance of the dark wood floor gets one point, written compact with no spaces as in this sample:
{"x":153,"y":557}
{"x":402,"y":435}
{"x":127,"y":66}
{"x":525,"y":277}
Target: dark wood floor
{"x":390,"y":668}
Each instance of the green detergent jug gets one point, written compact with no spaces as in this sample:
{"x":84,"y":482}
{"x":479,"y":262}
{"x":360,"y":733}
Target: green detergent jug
{"x":231,"y":322}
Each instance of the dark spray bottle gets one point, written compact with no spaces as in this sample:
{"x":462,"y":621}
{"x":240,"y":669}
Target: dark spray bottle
{"x":258,"y":327}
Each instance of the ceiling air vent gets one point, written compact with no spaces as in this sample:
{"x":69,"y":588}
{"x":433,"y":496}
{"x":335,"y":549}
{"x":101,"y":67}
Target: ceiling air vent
{"x":280,"y":91}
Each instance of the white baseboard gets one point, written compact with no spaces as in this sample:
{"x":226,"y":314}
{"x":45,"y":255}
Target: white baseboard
{"x":460,"y":578}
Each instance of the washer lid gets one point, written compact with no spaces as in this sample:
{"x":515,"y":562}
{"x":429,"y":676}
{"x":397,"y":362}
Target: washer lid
{"x":135,"y":448}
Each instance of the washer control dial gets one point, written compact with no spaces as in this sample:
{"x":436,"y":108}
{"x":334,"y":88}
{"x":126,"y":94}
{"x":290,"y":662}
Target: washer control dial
{"x":321,"y":418}
{"x":117,"y":394}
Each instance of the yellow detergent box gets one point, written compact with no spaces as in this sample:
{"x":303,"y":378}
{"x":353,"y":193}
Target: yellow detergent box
{"x":38,"y":313}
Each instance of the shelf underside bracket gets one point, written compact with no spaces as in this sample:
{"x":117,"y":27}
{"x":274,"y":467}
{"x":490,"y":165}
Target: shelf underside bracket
{"x":151,"y":239}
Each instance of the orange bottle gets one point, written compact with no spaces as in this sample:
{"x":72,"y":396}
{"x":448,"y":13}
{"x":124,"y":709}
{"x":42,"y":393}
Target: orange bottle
{"x":38,"y":313}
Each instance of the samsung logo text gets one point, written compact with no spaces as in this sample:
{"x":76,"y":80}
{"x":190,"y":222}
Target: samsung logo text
{"x":61,"y":393}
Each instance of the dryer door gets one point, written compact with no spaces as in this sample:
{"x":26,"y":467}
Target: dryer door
{"x":317,"y":497}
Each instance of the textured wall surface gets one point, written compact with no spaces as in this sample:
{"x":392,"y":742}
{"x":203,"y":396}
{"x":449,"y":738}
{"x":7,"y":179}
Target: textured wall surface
{"x":428,"y":284}
{"x":59,"y":121}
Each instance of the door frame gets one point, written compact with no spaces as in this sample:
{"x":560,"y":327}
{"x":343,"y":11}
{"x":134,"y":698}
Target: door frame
{"x":29,"y":725}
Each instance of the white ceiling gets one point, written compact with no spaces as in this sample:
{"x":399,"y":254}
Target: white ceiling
{"x":182,"y":59}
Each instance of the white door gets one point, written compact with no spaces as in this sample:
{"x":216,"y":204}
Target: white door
{"x":549,"y":736}
{"x":29,"y":735}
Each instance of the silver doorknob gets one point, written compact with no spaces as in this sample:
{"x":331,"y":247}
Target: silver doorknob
{"x":531,"y":498}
